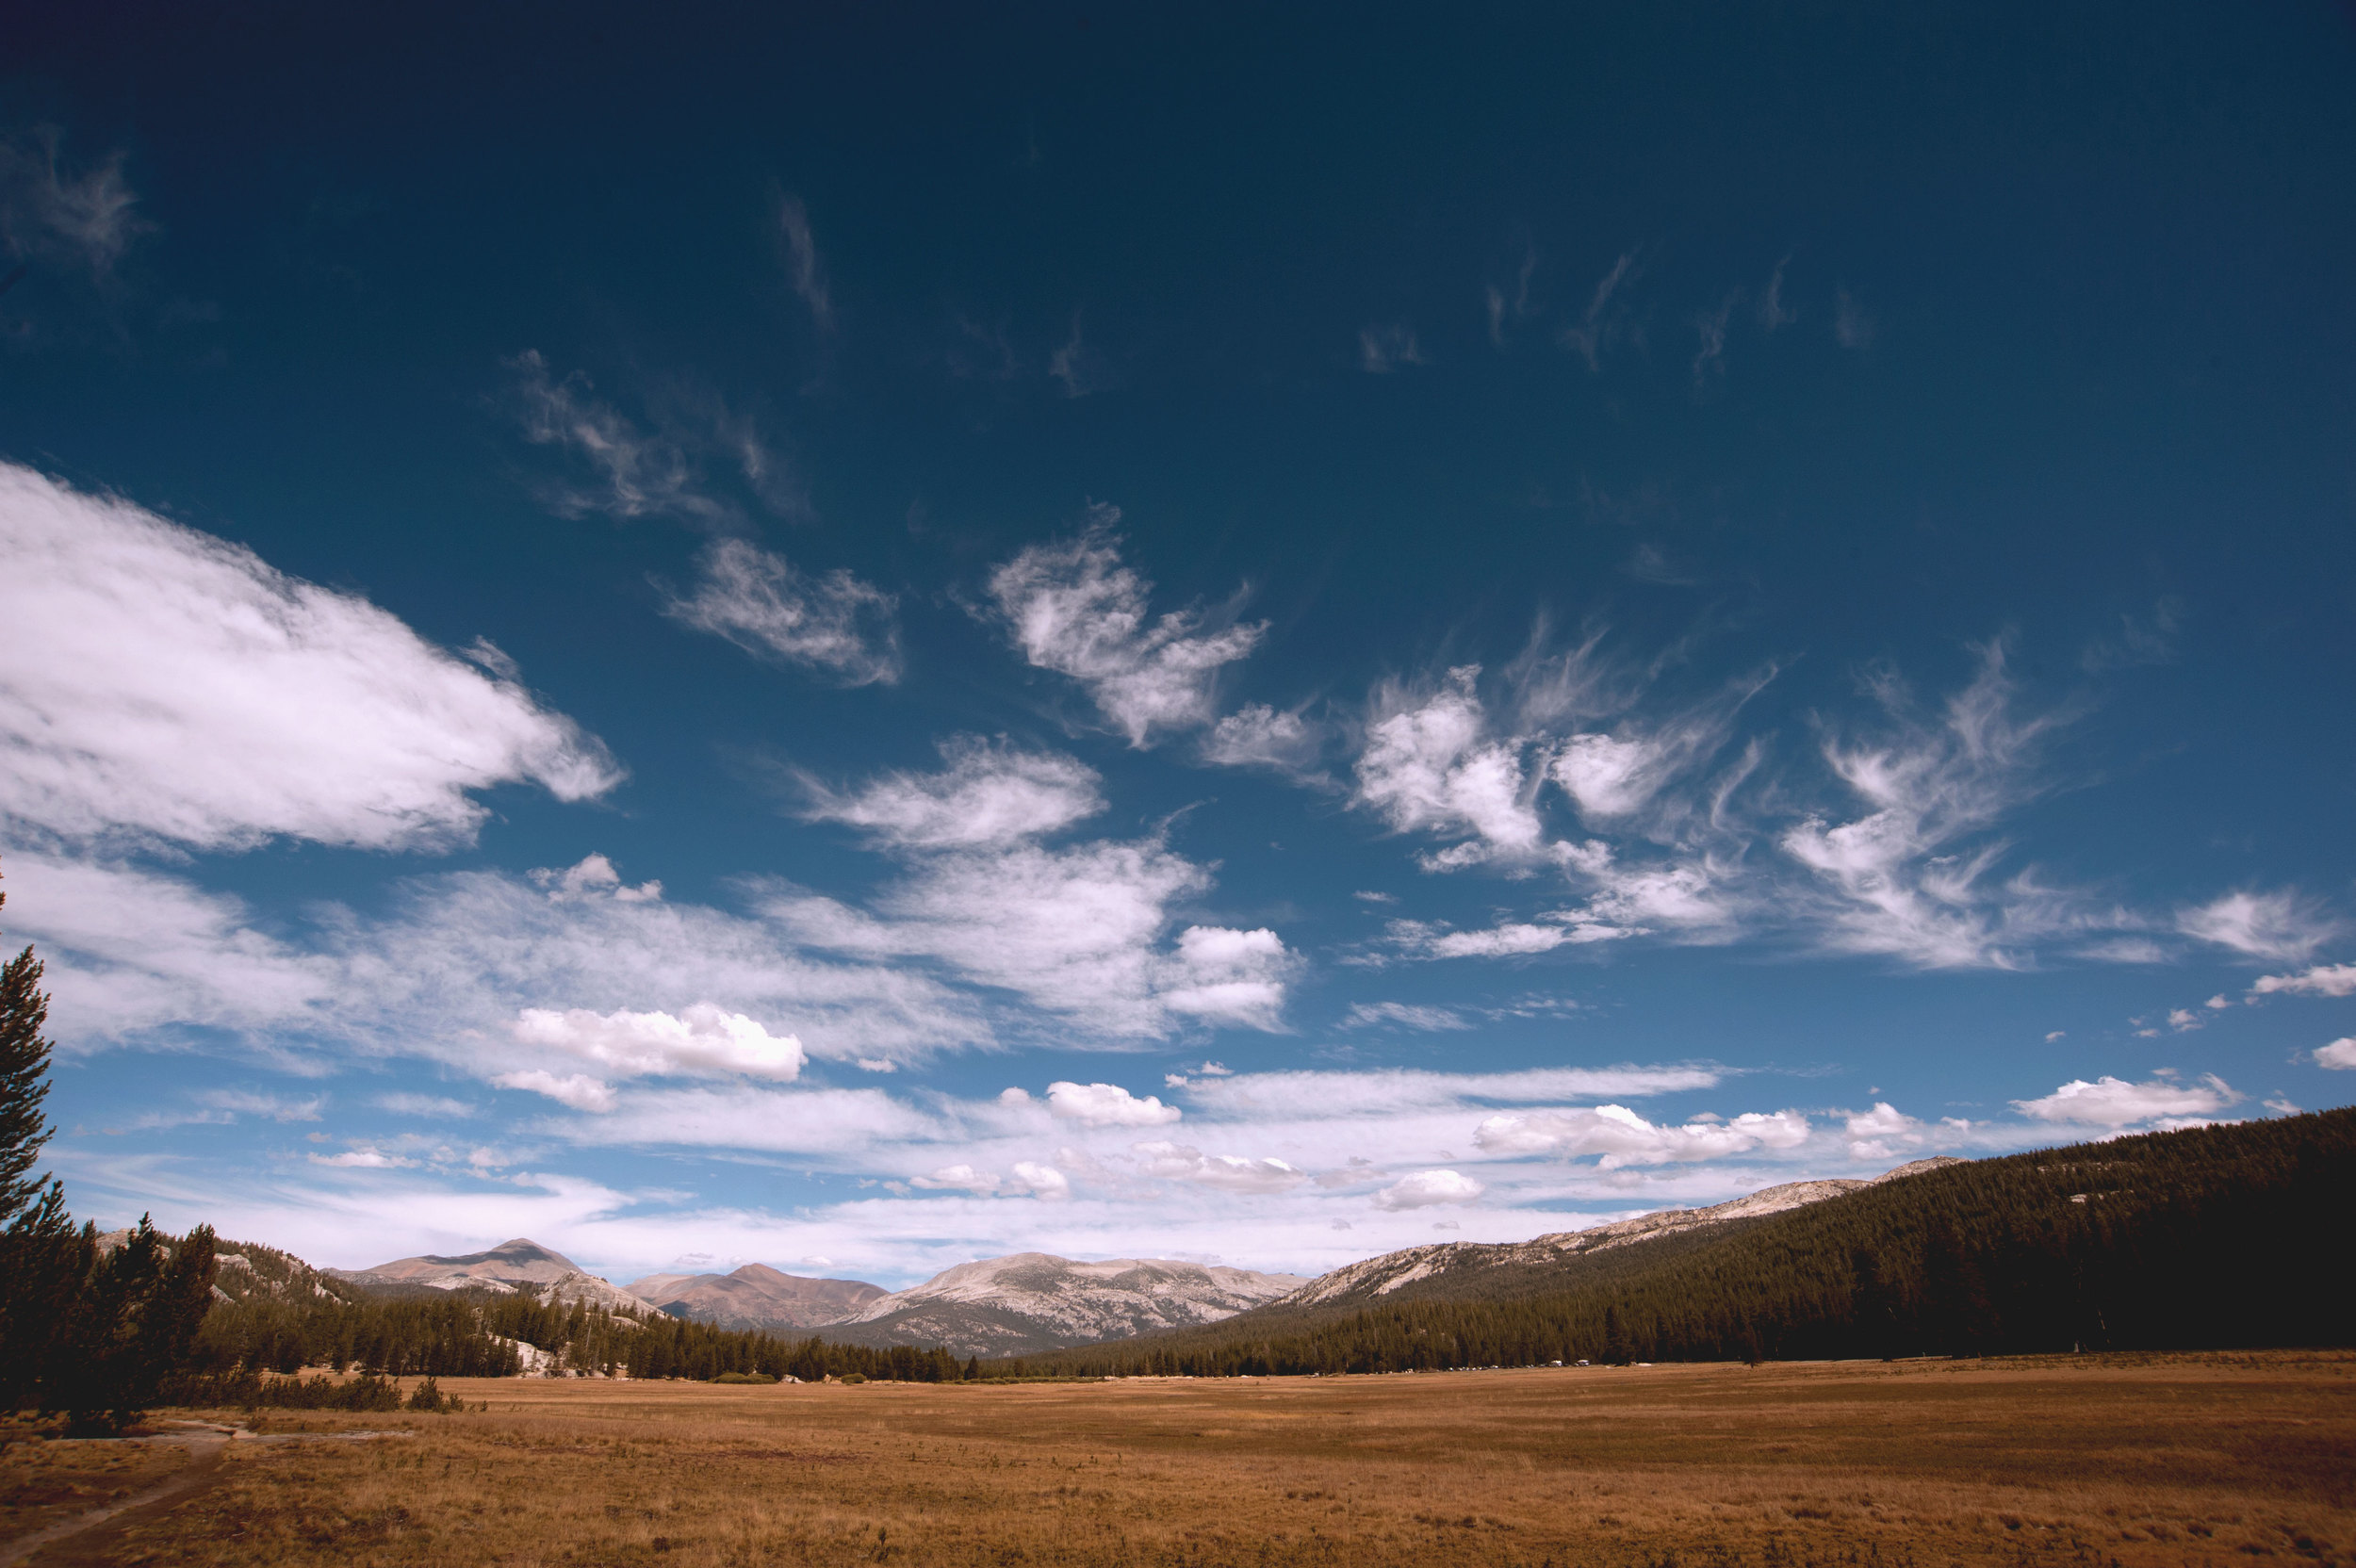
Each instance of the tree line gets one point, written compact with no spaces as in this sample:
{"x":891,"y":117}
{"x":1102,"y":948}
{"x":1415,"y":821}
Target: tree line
{"x":2210,"y":1237}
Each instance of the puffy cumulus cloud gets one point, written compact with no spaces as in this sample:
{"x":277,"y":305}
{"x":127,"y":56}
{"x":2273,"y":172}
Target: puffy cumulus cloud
{"x":2115,"y":1103}
{"x":1179,"y":1162}
{"x":1028,"y":1178}
{"x":2322,"y":980}
{"x":1880,"y":1133}
{"x":701,"y":1040}
{"x":1258,"y":736}
{"x":159,"y":683}
{"x":755,"y":599}
{"x":576,"y":1089}
{"x":961,"y":1178}
{"x":2274,"y":925}
{"x":1224,"y":975}
{"x":1429,"y":765}
{"x":1425,"y":1189}
{"x":1075,"y":609}
{"x":2339,"y":1054}
{"x":1622,"y":1138}
{"x":986,"y":795}
{"x":592,"y":877}
{"x":1107,"y":1105}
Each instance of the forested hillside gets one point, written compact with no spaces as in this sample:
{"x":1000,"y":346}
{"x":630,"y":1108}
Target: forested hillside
{"x":2207,"y":1237}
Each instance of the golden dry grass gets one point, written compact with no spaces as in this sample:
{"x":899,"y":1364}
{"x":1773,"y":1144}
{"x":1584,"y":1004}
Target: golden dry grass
{"x":44,"y":1482}
{"x":2199,"y":1461}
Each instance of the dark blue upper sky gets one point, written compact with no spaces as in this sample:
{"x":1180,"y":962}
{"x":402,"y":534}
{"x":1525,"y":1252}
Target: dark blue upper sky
{"x":1779,"y":563}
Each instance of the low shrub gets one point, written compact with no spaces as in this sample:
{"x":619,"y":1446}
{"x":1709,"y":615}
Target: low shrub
{"x":744,"y":1378}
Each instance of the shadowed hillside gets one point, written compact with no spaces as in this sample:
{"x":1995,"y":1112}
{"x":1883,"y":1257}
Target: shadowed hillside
{"x":2208,"y":1237}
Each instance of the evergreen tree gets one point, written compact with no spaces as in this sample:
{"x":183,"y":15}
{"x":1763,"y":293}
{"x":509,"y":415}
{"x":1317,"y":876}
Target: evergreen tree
{"x":40,"y":1260}
{"x":24,"y":1080}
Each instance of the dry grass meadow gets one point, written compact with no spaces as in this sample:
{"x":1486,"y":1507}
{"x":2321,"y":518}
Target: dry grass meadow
{"x":2199,"y":1461}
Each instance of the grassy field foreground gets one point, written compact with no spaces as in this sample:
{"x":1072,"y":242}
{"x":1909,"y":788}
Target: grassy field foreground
{"x":2218,"y":1460}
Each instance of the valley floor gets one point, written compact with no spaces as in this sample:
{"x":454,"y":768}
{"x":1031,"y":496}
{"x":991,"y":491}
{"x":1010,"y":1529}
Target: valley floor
{"x":2076,"y":1462}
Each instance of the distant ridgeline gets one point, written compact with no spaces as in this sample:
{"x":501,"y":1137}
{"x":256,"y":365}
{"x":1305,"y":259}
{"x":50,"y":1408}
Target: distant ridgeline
{"x":273,"y":1312}
{"x":2214,"y":1237}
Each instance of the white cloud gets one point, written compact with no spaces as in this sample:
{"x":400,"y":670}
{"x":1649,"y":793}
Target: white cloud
{"x":1384,"y":348}
{"x":1604,"y":322}
{"x":1405,"y":1015}
{"x":803,"y":269}
{"x":1509,"y":940}
{"x":957,"y":1177}
{"x":439,"y":1107}
{"x":2339,"y":1054}
{"x":130,"y":950}
{"x":1075,"y":609}
{"x":1258,"y":736}
{"x":1426,"y":1189}
{"x":2322,"y":980}
{"x":637,"y":474}
{"x":1076,"y":931}
{"x":1107,"y":1105}
{"x":1179,"y":1162}
{"x":1877,"y":1133}
{"x":986,"y":795}
{"x":1044,"y":1182}
{"x":1853,"y":325}
{"x":1914,"y":877}
{"x":1429,"y":765}
{"x":160,"y":683}
{"x":2114,"y":1102}
{"x":2183,"y":1020}
{"x":1393,"y":1091}
{"x":756,"y":599}
{"x":576,"y":1089}
{"x":86,"y":218}
{"x":2273,"y":925}
{"x":1224,"y":975}
{"x":1622,"y":1138}
{"x":702,"y":1038}
{"x":364,"y":1159}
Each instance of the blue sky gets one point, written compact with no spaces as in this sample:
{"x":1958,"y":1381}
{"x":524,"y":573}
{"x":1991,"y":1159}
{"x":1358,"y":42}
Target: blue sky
{"x":860,"y":642}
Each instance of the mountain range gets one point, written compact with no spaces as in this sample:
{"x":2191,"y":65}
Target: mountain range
{"x":756,"y":1296}
{"x":1033,"y":1302}
{"x":499,"y":1271}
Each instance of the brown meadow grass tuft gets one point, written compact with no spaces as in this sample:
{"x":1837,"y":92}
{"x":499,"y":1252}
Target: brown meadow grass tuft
{"x":2077,"y":1463}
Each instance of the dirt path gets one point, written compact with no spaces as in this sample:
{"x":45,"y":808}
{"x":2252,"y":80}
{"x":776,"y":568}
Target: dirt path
{"x":97,"y":1538}
{"x":205,"y":1444}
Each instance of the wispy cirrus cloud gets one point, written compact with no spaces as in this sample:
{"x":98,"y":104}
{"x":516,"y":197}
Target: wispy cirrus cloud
{"x":1083,"y":931}
{"x":1386,"y":347}
{"x":1075,"y":607}
{"x":2270,"y":925}
{"x":803,"y":269}
{"x":84,"y":217}
{"x":834,"y":622}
